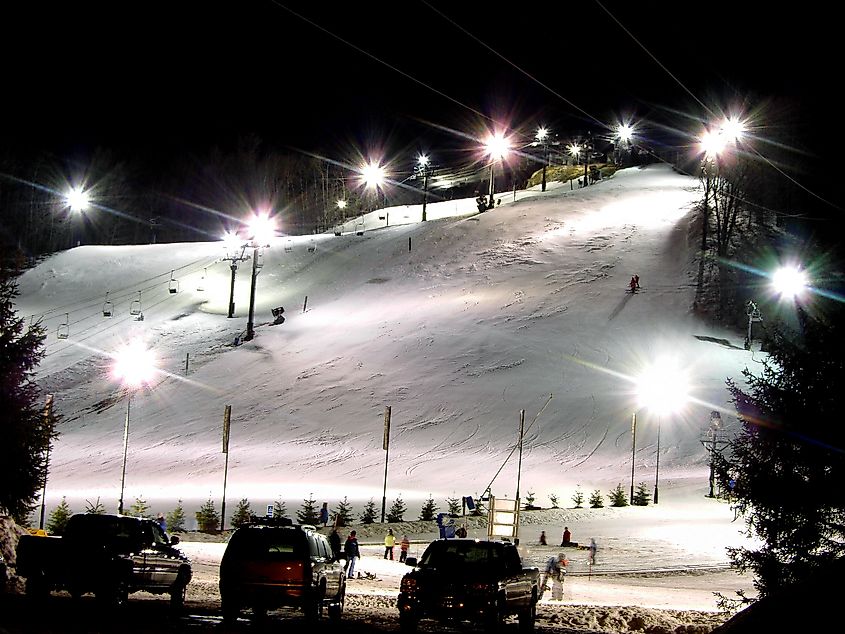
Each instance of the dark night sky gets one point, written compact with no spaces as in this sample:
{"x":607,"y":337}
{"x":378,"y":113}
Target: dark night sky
{"x":155,"y":78}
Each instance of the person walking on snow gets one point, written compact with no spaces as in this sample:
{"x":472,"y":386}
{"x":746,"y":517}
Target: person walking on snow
{"x":592,"y":548}
{"x":633,"y":284}
{"x":389,"y":543}
{"x":352,"y":552}
{"x":555,"y":571}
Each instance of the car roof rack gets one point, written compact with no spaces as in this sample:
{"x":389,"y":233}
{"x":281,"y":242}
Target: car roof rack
{"x":270,"y":521}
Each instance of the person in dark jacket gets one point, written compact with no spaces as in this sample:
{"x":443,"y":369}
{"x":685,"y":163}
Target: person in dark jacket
{"x":350,"y":549}
{"x":334,"y":542}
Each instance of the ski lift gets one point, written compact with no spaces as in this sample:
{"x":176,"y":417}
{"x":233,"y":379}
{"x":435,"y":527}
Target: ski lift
{"x":135,"y":306}
{"x":173,"y":286}
{"x":201,"y":285}
{"x":63,"y":330}
{"x":140,"y":317}
{"x":108,"y":307}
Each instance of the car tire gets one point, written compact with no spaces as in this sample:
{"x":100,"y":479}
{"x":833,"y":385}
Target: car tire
{"x":495,"y":620}
{"x":36,"y":587}
{"x":527,"y":618}
{"x":408,"y":622}
{"x":335,"y":610}
{"x":114,"y":594}
{"x":231,"y":611}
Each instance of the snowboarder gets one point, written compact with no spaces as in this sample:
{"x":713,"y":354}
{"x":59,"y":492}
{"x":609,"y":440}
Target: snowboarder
{"x":334,"y":542}
{"x":633,"y":284}
{"x":637,"y":280}
{"x":567,"y":538}
{"x":555,"y":571}
{"x":324,"y":513}
{"x":481,"y":201}
{"x":543,"y":538}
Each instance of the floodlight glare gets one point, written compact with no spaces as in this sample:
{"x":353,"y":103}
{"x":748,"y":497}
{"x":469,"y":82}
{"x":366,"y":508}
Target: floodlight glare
{"x":542,"y":133}
{"x":712,"y":143}
{"x":732,"y":129}
{"x":789,"y":281}
{"x":261,"y":228}
{"x":663,"y":387}
{"x":624,"y":132}
{"x":497,"y":147}
{"x":574,"y":149}
{"x":422,"y":160}
{"x":134,"y":365}
{"x":373,"y":175}
{"x":341,"y":204}
{"x":77,"y":199}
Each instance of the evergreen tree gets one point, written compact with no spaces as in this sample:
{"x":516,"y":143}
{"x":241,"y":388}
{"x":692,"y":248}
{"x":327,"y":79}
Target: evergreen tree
{"x":554,"y":500}
{"x":208,"y":519}
{"x":530,"y":498}
{"x":343,"y":513}
{"x":176,"y":519}
{"x":369,"y":514}
{"x":308,"y":513}
{"x":95,"y":508}
{"x":429,"y":509}
{"x":58,"y":518}
{"x":578,"y":498}
{"x":397,"y":510}
{"x":242,"y":515}
{"x":279,"y":509}
{"x":139,"y":508}
{"x":453,"y":505}
{"x":617,"y":497}
{"x":786,"y":468}
{"x":641,"y":496}
{"x":26,"y":428}
{"x":596,"y":500}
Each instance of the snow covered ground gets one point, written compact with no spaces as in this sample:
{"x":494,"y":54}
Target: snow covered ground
{"x":457,"y":324}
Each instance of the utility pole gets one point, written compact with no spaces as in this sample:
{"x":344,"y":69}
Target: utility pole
{"x":386,"y":447}
{"x":227,"y":417}
{"x":633,"y":451}
{"x":754,"y":315}
{"x":48,"y":422}
{"x":250,"y":324}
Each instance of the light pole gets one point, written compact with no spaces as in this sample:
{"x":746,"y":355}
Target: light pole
{"x":542,"y":137}
{"x":262,"y":229}
{"x":424,"y":168}
{"x":78,"y":201}
{"x":633,"y":451}
{"x":497,"y":148}
{"x":625,"y":132}
{"x":574,"y":151}
{"x":663,"y":389}
{"x":135,"y":367}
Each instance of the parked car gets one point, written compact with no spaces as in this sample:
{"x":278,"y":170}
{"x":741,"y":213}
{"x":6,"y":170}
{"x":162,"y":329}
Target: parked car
{"x":469,"y":580}
{"x":270,"y":564}
{"x":109,"y":555}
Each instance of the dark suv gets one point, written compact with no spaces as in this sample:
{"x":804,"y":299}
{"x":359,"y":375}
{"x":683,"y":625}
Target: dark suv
{"x":271,"y":563}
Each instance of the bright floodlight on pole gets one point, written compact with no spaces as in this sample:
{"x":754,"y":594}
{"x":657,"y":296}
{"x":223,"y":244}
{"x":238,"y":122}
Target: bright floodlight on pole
{"x":77,"y":199}
{"x":733,"y":129}
{"x":134,"y":366}
{"x":262,"y":228}
{"x":497,"y":148}
{"x":424,"y":168}
{"x":663,"y":389}
{"x":790,"y":282}
{"x":625,"y":132}
{"x":373,"y":175}
{"x":542,"y":137}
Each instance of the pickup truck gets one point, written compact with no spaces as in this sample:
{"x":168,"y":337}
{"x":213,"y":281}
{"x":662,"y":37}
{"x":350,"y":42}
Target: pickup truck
{"x":109,"y":555}
{"x":469,"y":580}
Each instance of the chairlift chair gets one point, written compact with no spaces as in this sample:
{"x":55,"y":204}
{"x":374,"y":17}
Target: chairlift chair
{"x":140,"y":317}
{"x":63,"y":329}
{"x":135,"y":306}
{"x":173,"y":286}
{"x":108,"y":307}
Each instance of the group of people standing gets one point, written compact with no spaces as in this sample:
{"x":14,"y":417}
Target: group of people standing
{"x":352,"y":551}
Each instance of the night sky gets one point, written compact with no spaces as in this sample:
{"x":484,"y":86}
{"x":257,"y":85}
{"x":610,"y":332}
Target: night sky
{"x":156,"y":78}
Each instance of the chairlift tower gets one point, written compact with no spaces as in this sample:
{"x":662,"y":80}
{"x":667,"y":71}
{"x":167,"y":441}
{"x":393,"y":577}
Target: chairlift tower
{"x":754,"y":315}
{"x":234,"y":258}
{"x":714,"y":444}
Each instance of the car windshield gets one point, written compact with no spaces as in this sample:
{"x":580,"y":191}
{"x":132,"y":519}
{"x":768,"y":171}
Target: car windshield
{"x":455,"y":554}
{"x":268,"y":542}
